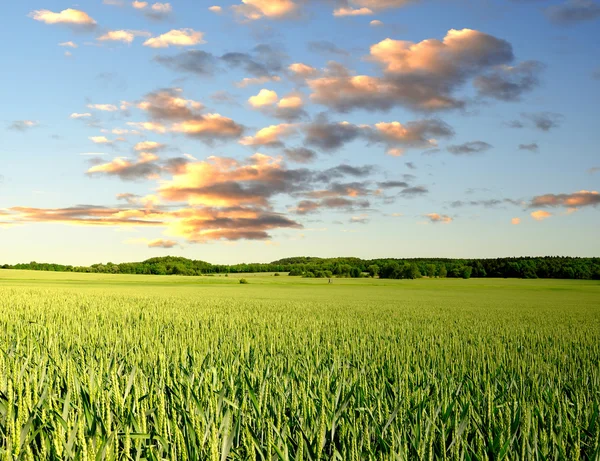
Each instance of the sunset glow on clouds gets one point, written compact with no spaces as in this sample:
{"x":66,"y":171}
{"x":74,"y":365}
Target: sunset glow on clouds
{"x":255,"y":119}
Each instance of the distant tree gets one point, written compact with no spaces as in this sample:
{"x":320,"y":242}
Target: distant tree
{"x":373,"y":270}
{"x":355,"y":272}
{"x":411,"y":271}
{"x":443,"y":272}
{"x":466,"y":272}
{"x":431,"y":269}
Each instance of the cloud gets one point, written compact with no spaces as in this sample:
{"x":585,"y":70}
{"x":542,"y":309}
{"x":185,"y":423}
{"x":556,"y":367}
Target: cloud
{"x":573,"y":11}
{"x":594,"y":170}
{"x":22,"y":125}
{"x":103,"y":107}
{"x":215,"y":9}
{"x":195,"y":225}
{"x":392,"y":184}
{"x":185,"y":116}
{"x":302,"y":70}
{"x":289,"y":108}
{"x":148,"y":146}
{"x":231,"y":224}
{"x":262,"y":62}
{"x":269,"y":136}
{"x":332,"y":203}
{"x":223,"y":97}
{"x":575,"y":200}
{"x":181,"y":37}
{"x":415,"y":191}
{"x":533,"y":147}
{"x":544,"y":121}
{"x":248,"y":81}
{"x":226,"y":182}
{"x":416,"y":134}
{"x":515,"y":124}
{"x":330,"y":136}
{"x":394,"y":135}
{"x":76,"y":115}
{"x":218,"y":198}
{"x":345,"y":11}
{"x":156,"y":243}
{"x":325,"y":47}
{"x":68,"y":44}
{"x":515,"y":221}
{"x":209,"y":127}
{"x":438,"y":218}
{"x":540,"y":215}
{"x":489,"y":203}
{"x":300,"y":154}
{"x":376,"y":23}
{"x":509,"y":83}
{"x":100,"y":140}
{"x":361,"y":219}
{"x":88,"y":216}
{"x":263,"y":98}
{"x":143,"y":168}
{"x":149,"y":126}
{"x":469,"y":148}
{"x":167,"y":104}
{"x":70,"y":17}
{"x":156,"y":11}
{"x":125,"y":36}
{"x":427,"y":75}
{"x":251,"y":10}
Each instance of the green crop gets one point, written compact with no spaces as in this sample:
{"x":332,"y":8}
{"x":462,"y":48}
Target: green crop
{"x":99,"y":367}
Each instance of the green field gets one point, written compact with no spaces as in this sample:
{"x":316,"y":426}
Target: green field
{"x":203,"y":368}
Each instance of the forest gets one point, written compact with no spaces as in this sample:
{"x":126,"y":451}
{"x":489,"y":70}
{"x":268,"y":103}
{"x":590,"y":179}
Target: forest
{"x":553,"y":267}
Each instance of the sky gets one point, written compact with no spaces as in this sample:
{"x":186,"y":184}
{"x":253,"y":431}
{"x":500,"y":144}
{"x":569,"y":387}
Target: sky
{"x":252,"y":130}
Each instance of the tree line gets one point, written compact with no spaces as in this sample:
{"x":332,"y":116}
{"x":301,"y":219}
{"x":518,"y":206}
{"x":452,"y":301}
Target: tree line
{"x":556,"y":267}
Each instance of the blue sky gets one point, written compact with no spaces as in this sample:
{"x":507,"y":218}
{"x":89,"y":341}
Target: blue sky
{"x":389,"y":128}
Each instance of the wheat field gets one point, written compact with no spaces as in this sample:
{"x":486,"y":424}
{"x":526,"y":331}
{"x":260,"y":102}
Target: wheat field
{"x":100,"y":367}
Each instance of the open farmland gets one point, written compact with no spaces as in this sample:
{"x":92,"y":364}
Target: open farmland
{"x":133,"y":367}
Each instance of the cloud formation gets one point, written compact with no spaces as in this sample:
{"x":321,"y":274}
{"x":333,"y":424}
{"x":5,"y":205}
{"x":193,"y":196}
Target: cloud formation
{"x":22,"y":125}
{"x":170,"y":112}
{"x":261,"y":63}
{"x":579,"y":199}
{"x":544,"y":121}
{"x":125,"y":36}
{"x":70,"y":17}
{"x":269,"y":136}
{"x":438,"y":218}
{"x":533,"y":147}
{"x":573,"y":11}
{"x":427,"y":75}
{"x":143,"y":168}
{"x":395,"y":136}
{"x":469,"y":148}
{"x":156,"y":12}
{"x":180,"y":37}
{"x":540,"y":215}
